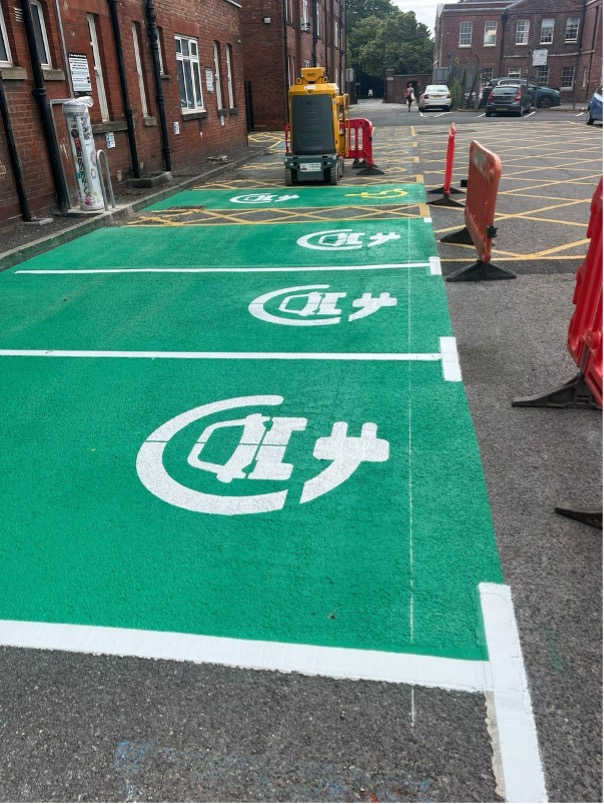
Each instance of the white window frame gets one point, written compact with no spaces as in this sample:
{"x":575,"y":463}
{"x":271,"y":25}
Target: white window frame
{"x":543,"y":70}
{"x":189,"y":62}
{"x":139,"y":70}
{"x":318,"y":19}
{"x":229,"y":75}
{"x":572,"y":26}
{"x":305,"y":22}
{"x":514,"y":72}
{"x":97,"y":67}
{"x":489,"y":38}
{"x":487,"y":73}
{"x":35,"y":4}
{"x":218,"y":87}
{"x":336,"y":32}
{"x":465,"y":33}
{"x":4,"y":36}
{"x":523,"y":28}
{"x":569,"y":69}
{"x":546,"y":37}
{"x":160,"y":39}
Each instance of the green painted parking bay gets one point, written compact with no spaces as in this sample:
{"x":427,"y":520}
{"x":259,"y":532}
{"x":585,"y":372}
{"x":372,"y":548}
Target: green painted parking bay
{"x":296,"y":197}
{"x":330,"y":503}
{"x":376,"y":242}
{"x":319,"y":311}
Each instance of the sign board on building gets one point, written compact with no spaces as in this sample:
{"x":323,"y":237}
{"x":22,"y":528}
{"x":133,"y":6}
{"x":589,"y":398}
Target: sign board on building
{"x":209,"y":79}
{"x":110,"y":139}
{"x":80,"y":74}
{"x":539,"y":58}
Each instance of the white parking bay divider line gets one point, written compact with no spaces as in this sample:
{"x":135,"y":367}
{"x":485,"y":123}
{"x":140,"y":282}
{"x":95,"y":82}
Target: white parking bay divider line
{"x":250,"y":270}
{"x":447,"y":356}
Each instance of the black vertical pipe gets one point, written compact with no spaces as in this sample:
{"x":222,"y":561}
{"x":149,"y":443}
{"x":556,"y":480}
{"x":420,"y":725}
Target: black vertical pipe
{"x":13,"y":155}
{"x":286,"y":61}
{"x":117,"y":40}
{"x":315,"y":36}
{"x":39,"y":93}
{"x":159,"y":93}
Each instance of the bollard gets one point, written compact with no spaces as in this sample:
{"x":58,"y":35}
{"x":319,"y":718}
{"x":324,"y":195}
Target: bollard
{"x":446,"y":189}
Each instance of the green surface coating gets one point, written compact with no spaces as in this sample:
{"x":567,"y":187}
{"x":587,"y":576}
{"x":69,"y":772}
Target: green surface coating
{"x":295,"y":197}
{"x":252,"y":245}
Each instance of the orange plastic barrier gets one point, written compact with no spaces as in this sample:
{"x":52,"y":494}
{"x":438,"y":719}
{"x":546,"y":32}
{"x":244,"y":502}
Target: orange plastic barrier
{"x":479,"y":215}
{"x":585,"y":328}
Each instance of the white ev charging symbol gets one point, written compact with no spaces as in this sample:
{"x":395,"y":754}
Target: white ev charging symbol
{"x":259,"y":446}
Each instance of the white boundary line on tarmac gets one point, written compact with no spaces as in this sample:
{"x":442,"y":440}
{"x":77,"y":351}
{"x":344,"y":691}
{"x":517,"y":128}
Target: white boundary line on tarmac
{"x":376,"y":267}
{"x":503,"y":675}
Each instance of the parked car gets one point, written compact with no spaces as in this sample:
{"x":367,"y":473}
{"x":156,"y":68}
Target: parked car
{"x":435,"y":96}
{"x":594,"y":109}
{"x":513,"y":98}
{"x":541,"y":96}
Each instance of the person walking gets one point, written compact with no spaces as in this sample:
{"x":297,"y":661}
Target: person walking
{"x":409,"y":96}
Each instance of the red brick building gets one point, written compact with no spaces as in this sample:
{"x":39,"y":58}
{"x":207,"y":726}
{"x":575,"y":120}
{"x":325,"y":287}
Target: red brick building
{"x":280,"y":37}
{"x":105,"y":48}
{"x":503,"y":38}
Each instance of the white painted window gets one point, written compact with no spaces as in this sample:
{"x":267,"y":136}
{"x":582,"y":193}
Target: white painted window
{"x":336,"y":33}
{"x":522,"y":32}
{"x":304,"y":21}
{"x":487,"y":73}
{"x":490,"y":33}
{"x":547,"y":32}
{"x":571,"y":34}
{"x":229,"y":73}
{"x":139,"y":70}
{"x":37,"y":15}
{"x":189,"y":77}
{"x":318,"y":18}
{"x":288,"y":11}
{"x":160,"y":48}
{"x":568,"y":76}
{"x":217,"y":85}
{"x":5,"y":56}
{"x":97,"y":68}
{"x":584,"y":79}
{"x":465,"y":34}
{"x":514,"y":72}
{"x":306,"y":63}
{"x":543,"y":74}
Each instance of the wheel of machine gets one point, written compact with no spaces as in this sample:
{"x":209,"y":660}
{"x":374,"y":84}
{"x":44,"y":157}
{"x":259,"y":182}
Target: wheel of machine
{"x":341,"y":167}
{"x":333,"y":174}
{"x":291,"y":177}
{"x":546,"y":103}
{"x":590,"y":119}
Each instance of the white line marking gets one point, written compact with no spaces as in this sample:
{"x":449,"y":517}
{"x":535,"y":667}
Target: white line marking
{"x":396,"y":356}
{"x":435,"y":266}
{"x":530,"y":114}
{"x":348,"y":663}
{"x":450,"y":358}
{"x":580,"y":114}
{"x":520,"y":759}
{"x":375,"y":267}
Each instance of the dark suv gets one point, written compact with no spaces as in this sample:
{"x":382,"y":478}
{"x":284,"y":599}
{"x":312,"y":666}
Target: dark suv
{"x":541,"y":96}
{"x":514,"y":98}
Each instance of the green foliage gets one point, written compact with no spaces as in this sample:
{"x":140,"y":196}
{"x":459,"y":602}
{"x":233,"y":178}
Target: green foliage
{"x":391,"y":41}
{"x":456,"y":89}
{"x":357,"y":10}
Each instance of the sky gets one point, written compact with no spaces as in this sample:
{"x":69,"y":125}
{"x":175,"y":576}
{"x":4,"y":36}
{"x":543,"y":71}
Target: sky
{"x":425,"y":10}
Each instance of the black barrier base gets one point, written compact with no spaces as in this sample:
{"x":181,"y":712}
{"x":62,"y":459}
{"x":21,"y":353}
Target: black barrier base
{"x":480,"y":272}
{"x":589,"y":516}
{"x":445,"y":201}
{"x":573,"y":394}
{"x":452,"y":191}
{"x":463,"y":237}
{"x":370,"y":171}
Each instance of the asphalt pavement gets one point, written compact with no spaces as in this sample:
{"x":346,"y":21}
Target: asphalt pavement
{"x":77,"y":726}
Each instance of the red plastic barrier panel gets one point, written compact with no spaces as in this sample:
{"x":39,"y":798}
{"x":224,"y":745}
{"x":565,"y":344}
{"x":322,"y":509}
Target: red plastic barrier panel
{"x":585,"y":328}
{"x":287,"y":138}
{"x":449,"y":160}
{"x":483,"y":184}
{"x":359,"y":139}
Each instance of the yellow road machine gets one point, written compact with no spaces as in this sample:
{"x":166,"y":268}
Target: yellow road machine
{"x":318,"y":127}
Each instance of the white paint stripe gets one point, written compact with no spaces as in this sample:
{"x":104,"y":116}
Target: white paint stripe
{"x":376,"y":267}
{"x":520,"y":759}
{"x":435,"y":266}
{"x":427,"y":220}
{"x":370,"y":665}
{"x":395,"y":356}
{"x":450,"y":358}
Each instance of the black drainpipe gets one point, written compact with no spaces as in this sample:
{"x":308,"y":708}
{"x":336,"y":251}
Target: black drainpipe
{"x":13,"y":155}
{"x":39,"y":93}
{"x":315,"y":37}
{"x":159,"y":94}
{"x":504,"y":19}
{"x":117,"y":39}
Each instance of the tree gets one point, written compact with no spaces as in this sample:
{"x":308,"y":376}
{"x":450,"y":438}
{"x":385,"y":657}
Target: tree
{"x":357,"y":10}
{"x":393,"y":42}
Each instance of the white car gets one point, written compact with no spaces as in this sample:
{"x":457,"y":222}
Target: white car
{"x":435,"y":96}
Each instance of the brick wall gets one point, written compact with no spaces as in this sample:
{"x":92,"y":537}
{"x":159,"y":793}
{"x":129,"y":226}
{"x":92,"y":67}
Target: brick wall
{"x":202,"y":133}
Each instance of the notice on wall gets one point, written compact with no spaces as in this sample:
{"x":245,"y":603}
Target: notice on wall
{"x":539,"y":58}
{"x":209,"y":79}
{"x":80,"y":74}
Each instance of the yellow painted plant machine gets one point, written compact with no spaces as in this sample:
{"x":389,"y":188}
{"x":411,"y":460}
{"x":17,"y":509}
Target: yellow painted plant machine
{"x":318,"y":117}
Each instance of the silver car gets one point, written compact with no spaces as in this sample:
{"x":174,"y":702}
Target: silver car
{"x":435,"y":96}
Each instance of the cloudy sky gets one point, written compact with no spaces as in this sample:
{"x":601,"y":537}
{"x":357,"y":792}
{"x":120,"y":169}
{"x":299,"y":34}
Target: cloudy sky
{"x":425,"y":10}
